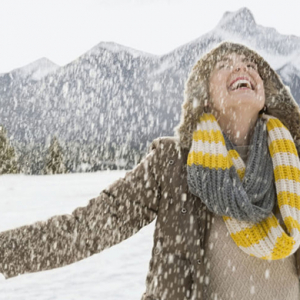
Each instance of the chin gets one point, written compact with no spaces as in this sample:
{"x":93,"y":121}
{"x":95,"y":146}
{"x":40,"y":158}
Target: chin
{"x":245,"y":105}
{"x":246,"y":100}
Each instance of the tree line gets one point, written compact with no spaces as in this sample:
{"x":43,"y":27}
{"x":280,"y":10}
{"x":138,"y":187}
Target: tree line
{"x":37,"y":159}
{"x":53,"y":164}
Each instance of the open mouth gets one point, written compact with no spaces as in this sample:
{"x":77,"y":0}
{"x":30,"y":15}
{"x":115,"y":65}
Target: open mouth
{"x":241,"y":84}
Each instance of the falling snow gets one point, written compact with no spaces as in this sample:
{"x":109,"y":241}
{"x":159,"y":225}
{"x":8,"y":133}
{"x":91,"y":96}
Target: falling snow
{"x":104,"y":109}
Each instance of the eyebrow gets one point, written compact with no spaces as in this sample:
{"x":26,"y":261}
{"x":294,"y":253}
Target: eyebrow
{"x":227,"y":59}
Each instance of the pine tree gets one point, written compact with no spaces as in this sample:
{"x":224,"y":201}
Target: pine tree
{"x":8,"y":162}
{"x":54,"y":160}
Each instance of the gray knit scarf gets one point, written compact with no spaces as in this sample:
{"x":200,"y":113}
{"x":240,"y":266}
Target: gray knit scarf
{"x":224,"y":194}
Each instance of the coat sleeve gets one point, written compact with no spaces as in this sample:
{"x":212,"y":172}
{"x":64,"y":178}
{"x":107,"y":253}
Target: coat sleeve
{"x":117,"y":213}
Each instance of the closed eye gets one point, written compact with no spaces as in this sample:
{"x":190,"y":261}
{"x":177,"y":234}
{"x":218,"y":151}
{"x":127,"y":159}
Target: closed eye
{"x":252,"y":66}
{"x":249,"y":65}
{"x":220,"y":67}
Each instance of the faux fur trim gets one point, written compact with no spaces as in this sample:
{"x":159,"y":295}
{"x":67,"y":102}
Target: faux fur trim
{"x":279,"y":101}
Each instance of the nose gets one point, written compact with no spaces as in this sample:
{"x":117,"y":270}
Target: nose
{"x":240,"y":65}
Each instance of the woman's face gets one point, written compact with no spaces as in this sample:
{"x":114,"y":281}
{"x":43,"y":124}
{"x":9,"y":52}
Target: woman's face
{"x":234,"y":84}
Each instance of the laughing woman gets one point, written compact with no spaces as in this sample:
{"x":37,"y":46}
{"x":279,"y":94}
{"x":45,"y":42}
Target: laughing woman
{"x":225,"y":193}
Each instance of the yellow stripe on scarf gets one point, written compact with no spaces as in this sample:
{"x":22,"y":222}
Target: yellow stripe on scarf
{"x":210,"y":136}
{"x":207,"y":118}
{"x":287,"y":172}
{"x":291,"y":223}
{"x":288,"y":198}
{"x":283,"y":248}
{"x":253,"y":235}
{"x":209,"y":161}
{"x":283,"y":145}
{"x":215,"y":161}
{"x":274,"y":123}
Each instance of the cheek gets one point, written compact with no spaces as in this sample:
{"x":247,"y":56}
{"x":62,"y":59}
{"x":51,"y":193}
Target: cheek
{"x":217,"y":88}
{"x":218,"y":103}
{"x":261,"y":91}
{"x":260,"y":84}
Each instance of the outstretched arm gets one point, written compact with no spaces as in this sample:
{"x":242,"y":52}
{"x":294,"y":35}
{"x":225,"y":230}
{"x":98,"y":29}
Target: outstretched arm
{"x":117,"y":213}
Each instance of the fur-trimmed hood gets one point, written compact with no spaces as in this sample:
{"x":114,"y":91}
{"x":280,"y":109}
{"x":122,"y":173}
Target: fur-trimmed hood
{"x":279,"y":101}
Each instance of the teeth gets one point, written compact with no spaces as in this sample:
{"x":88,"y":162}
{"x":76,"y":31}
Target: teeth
{"x":238,"y":83}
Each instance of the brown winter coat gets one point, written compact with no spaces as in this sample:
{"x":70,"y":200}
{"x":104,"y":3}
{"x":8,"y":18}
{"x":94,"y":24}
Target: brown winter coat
{"x":156,"y":188}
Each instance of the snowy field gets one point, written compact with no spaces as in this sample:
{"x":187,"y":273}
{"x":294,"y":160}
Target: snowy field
{"x":118,"y":273}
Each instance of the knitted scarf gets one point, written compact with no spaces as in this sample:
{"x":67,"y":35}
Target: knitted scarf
{"x":245,"y":196}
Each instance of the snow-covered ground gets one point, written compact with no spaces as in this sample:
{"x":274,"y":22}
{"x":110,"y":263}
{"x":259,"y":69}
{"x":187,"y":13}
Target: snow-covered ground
{"x":118,"y":273}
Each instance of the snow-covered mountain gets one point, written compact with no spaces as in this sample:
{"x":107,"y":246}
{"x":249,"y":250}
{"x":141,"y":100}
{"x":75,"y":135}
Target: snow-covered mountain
{"x":113,"y":100}
{"x":37,"y":69}
{"x":18,"y":78}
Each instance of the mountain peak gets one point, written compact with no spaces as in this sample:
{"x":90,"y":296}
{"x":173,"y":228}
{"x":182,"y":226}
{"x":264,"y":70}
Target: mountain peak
{"x":240,"y":21}
{"x":37,"y":69}
{"x":115,"y":47}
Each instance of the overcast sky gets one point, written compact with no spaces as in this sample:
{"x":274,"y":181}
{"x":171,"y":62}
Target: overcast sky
{"x":62,"y":30}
